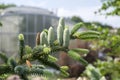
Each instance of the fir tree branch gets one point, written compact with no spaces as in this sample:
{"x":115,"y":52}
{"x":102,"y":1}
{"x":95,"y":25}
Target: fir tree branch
{"x":4,"y":57}
{"x":5,"y":69}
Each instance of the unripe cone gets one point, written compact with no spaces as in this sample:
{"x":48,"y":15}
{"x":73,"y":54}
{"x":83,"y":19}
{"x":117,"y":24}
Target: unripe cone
{"x":61,"y":22}
{"x":21,"y":45}
{"x":60,"y":35}
{"x":50,"y":36}
{"x":38,"y":39}
{"x":43,"y":38}
{"x":21,"y":37}
{"x":66,"y":37}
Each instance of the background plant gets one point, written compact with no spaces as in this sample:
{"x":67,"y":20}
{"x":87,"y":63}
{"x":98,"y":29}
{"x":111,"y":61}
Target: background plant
{"x":108,"y":53}
{"x":110,"y":7}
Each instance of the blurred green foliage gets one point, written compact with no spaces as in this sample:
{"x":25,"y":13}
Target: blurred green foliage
{"x":0,"y":24}
{"x":4,"y":6}
{"x":109,"y":68}
{"x":109,"y":45}
{"x":110,"y":7}
{"x":93,"y":73}
{"x":76,"y":19}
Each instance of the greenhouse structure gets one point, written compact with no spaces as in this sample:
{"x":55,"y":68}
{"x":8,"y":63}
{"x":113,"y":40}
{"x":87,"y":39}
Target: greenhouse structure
{"x":25,"y":20}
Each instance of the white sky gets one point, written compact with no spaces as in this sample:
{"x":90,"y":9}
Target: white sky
{"x":83,"y":8}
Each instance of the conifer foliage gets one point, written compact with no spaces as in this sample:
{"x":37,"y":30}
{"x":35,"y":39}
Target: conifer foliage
{"x":46,"y":46}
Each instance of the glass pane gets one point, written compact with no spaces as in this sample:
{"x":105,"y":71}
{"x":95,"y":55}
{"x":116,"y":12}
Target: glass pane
{"x":30,"y":23}
{"x":39,"y":23}
{"x":23,"y":24}
{"x":31,"y":40}
{"x":47,"y":22}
